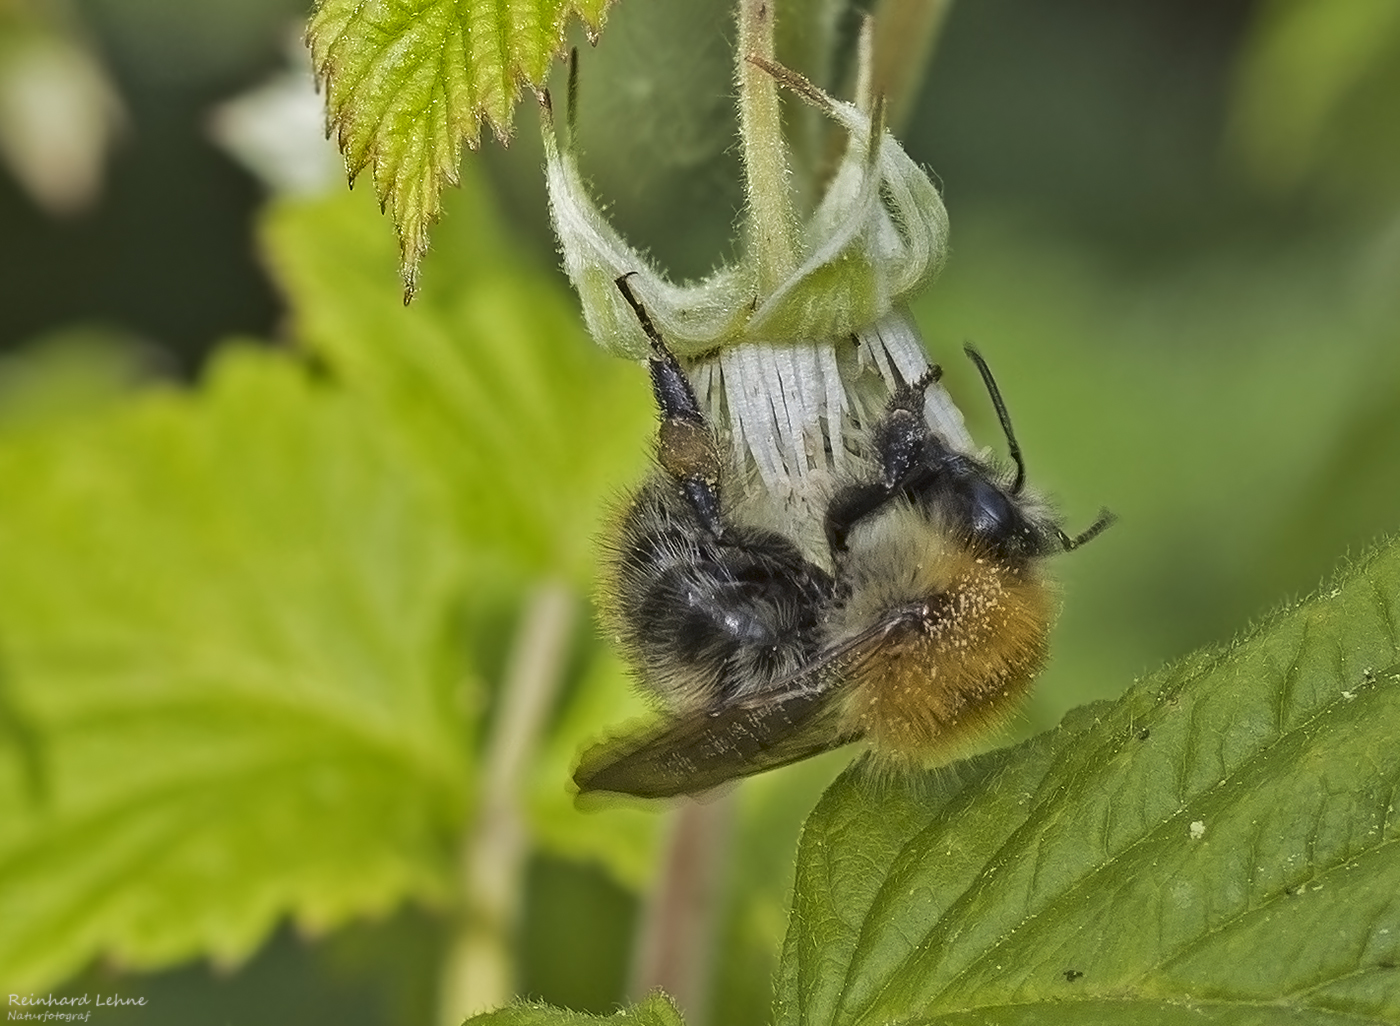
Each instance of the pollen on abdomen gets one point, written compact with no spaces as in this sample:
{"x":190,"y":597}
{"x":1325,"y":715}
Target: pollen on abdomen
{"x":934,"y":682}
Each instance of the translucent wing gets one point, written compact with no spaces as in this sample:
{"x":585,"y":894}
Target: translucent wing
{"x":695,"y":751}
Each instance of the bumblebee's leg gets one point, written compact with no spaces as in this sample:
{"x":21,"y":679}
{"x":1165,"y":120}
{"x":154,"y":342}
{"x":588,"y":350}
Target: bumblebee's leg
{"x":848,"y":506}
{"x":902,"y":432}
{"x":901,"y":439}
{"x":685,"y":449}
{"x":704,"y":618}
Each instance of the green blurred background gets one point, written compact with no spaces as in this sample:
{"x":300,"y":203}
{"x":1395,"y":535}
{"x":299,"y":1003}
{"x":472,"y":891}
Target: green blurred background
{"x":1176,"y":237}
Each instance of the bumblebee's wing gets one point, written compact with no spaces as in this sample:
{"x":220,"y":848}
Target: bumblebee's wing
{"x":696,"y":751}
{"x":836,"y":664}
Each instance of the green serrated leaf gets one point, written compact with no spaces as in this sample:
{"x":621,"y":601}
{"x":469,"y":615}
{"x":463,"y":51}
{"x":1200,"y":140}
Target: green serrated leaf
{"x":408,"y":81}
{"x":656,"y":1010}
{"x":230,"y":682}
{"x":487,"y":383}
{"x":1221,"y":842}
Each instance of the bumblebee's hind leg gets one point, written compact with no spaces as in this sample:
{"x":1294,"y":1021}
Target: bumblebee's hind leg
{"x":705,"y":618}
{"x":705,"y":608}
{"x":686,"y":448}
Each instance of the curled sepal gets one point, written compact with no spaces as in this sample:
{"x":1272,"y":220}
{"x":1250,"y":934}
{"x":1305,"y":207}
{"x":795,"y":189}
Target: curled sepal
{"x":878,"y":234}
{"x":694,"y":318}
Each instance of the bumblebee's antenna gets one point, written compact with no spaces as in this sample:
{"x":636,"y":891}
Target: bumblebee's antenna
{"x":685,"y":449}
{"x":1011,"y":442}
{"x":1068,"y":544}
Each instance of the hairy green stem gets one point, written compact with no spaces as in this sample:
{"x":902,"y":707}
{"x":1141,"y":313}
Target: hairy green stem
{"x":479,"y":971}
{"x":771,"y":221}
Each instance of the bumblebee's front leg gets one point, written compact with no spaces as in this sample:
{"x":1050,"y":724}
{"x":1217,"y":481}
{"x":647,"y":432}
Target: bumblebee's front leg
{"x":901,"y":440}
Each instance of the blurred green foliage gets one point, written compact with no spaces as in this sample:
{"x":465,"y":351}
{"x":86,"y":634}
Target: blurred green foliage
{"x":241,"y":622}
{"x":214,"y":663}
{"x":1187,"y":288}
{"x":1315,"y":100}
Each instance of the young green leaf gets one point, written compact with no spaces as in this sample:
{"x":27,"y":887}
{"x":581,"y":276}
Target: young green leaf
{"x":654,"y":1011}
{"x":1221,"y":842}
{"x":407,"y":81}
{"x":231,"y":687}
{"x":487,"y":384}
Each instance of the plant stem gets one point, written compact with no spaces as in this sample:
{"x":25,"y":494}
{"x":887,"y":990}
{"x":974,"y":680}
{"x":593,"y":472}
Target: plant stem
{"x":676,"y":938}
{"x":479,"y":971}
{"x":771,"y":221}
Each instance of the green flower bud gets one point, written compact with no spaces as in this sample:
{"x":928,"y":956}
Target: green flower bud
{"x":788,"y":373}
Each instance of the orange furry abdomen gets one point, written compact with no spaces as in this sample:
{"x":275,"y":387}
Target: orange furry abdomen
{"x":971,"y":652}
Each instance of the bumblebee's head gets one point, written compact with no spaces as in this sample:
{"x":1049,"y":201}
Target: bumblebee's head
{"x":963,"y":496}
{"x":1012,"y":527}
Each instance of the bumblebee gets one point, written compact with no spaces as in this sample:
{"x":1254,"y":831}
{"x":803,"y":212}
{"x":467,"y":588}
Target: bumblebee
{"x":928,"y":618}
